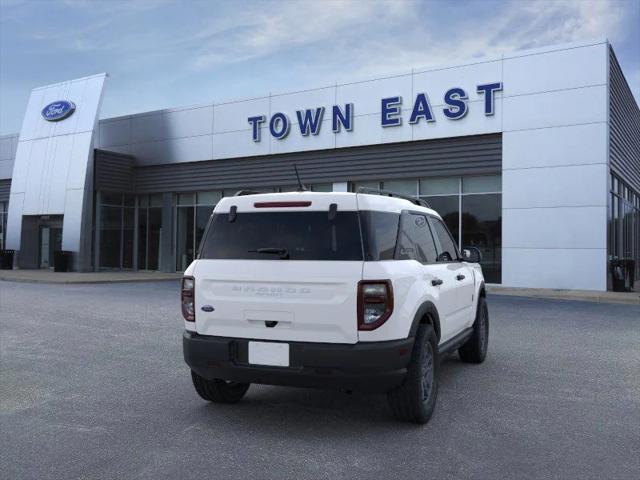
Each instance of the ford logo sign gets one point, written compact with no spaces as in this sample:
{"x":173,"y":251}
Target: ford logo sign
{"x":56,"y":111}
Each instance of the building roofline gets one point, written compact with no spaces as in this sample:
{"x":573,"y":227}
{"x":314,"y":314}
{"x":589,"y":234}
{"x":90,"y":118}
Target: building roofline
{"x":75,"y":80}
{"x":422,"y":69}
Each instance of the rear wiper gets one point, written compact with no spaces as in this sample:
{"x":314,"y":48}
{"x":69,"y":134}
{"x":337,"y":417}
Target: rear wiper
{"x":283,"y":252}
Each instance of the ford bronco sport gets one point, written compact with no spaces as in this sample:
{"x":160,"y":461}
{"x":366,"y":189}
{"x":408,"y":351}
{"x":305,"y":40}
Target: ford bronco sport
{"x":355,"y":291}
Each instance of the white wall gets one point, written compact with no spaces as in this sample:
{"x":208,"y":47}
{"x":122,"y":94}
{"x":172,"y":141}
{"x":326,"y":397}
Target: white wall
{"x":221,"y":130}
{"x":51,"y":172}
{"x":555,"y":168}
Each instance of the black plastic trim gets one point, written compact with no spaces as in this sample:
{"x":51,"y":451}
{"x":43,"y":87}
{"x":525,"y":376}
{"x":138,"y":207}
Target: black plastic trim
{"x":364,"y":366}
{"x":454,"y":343}
{"x":430,"y":308}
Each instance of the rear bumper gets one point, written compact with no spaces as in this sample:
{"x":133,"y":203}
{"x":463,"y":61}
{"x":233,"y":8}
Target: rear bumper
{"x":370,"y":367}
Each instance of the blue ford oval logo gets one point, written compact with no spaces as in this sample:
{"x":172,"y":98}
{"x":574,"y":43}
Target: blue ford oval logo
{"x":56,"y":111}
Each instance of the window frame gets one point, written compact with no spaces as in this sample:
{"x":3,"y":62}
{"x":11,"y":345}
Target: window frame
{"x":195,"y":203}
{"x":458,"y":259}
{"x":403,"y":215}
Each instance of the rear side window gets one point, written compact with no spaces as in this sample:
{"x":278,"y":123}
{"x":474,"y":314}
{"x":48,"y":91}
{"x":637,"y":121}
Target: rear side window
{"x":280,"y":235}
{"x":415,"y":241}
{"x":379,"y":234}
{"x":448,"y":250}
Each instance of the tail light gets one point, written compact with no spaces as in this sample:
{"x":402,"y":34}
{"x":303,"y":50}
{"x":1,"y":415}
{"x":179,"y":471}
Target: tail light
{"x":187,"y":297}
{"x":375,"y":303}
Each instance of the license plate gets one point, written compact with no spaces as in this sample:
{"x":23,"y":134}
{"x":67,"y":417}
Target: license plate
{"x":269,"y":353}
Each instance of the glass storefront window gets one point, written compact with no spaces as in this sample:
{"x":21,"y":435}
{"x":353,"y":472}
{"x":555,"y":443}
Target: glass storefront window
{"x":117,"y":230}
{"x":154,"y":236}
{"x":185,"y":237}
{"x":484,"y":184}
{"x":110,"y":236}
{"x":186,"y":198}
{"x":471,"y":207}
{"x":208,"y":198}
{"x":624,"y":236}
{"x":143,"y":230}
{"x":403,"y":187}
{"x":155,"y":200}
{"x":128,"y":239}
{"x":202,"y":217}
{"x":482,"y":228}
{"x":313,"y":187}
{"x":193,"y":212}
{"x":440,"y":186}
{"x":357,"y":185}
{"x":149,"y":231}
{"x":448,"y":206}
{"x":111,"y":198}
{"x":3,"y":223}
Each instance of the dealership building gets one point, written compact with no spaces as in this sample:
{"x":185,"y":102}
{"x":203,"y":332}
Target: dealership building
{"x":533,"y":157}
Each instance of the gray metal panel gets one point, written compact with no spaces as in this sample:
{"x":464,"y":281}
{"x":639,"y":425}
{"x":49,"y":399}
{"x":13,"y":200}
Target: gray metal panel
{"x":5,"y":188}
{"x":624,"y":127}
{"x":478,"y":154}
{"x":113,"y":171}
{"x":8,"y":146}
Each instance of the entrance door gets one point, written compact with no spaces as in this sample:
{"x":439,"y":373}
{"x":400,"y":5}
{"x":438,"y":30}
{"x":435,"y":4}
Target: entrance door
{"x":50,"y":241}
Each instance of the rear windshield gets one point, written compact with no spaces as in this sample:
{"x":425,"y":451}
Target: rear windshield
{"x":284,"y":235}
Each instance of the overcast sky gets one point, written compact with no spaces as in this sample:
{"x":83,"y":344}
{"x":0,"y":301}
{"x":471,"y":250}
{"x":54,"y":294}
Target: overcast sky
{"x":176,"y":53}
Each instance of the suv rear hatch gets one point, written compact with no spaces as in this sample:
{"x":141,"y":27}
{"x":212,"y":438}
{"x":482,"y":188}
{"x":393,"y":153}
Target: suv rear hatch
{"x":281,"y":267}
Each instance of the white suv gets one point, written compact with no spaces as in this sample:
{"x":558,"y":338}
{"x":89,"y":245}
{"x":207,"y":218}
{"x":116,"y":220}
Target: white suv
{"x":355,"y":291}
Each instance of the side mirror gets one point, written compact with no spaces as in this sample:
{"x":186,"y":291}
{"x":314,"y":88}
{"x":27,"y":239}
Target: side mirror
{"x":471,"y":255}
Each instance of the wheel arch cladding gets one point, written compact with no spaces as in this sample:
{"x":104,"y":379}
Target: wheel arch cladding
{"x":426,"y":314}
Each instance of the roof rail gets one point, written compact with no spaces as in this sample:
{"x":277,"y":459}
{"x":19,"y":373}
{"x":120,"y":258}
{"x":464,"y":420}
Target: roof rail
{"x":242,"y":193}
{"x":386,"y":193}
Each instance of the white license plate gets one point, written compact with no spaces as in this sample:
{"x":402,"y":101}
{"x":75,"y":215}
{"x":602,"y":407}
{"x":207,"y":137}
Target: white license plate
{"x":269,"y":353}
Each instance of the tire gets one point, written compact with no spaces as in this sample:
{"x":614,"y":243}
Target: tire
{"x":219,"y":391}
{"x":474,"y":350}
{"x":415,"y":400}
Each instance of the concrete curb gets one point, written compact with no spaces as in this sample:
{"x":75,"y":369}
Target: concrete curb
{"x":79,"y":278}
{"x":627,"y":298}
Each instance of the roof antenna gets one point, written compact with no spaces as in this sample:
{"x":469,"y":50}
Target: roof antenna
{"x":301,"y":187}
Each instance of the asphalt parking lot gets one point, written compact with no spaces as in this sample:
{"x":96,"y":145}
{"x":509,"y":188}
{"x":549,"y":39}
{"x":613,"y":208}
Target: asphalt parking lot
{"x":92,"y":385}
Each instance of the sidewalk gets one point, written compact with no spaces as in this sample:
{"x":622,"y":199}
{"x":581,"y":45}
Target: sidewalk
{"x":632,"y":298}
{"x":47,"y":276}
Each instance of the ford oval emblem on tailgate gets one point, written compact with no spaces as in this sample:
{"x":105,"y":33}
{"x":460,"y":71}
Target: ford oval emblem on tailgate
{"x":207,"y":308}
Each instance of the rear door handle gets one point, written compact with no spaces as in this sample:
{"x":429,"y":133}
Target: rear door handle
{"x":436,"y":281}
{"x":460,"y":277}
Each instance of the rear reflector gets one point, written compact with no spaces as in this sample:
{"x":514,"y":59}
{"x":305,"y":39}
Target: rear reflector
{"x":281,"y":204}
